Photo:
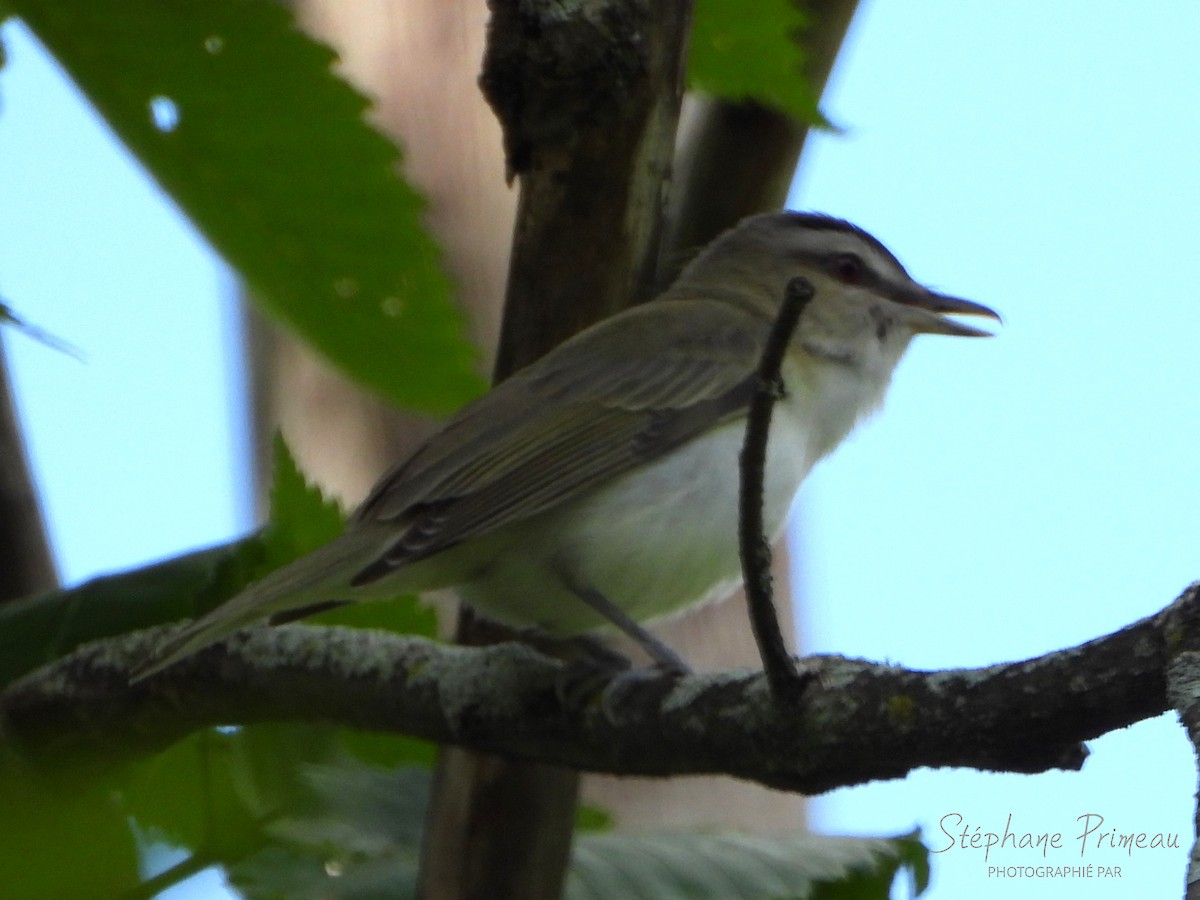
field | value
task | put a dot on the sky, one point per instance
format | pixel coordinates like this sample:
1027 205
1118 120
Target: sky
1015 496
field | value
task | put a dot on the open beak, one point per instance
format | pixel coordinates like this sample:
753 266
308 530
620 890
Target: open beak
927 312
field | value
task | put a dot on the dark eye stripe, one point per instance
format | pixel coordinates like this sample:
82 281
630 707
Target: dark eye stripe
848 268
821 222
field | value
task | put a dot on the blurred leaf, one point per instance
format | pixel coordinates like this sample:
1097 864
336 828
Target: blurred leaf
224 796
731 866
284 872
359 838
61 841
592 818
359 810
753 52
215 794
218 793
37 630
302 519
197 794
388 751
237 115
404 615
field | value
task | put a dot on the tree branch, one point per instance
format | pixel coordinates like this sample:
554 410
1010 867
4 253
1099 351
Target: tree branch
1183 693
860 721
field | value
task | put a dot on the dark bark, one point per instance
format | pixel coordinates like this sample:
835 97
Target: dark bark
26 565
858 721
589 104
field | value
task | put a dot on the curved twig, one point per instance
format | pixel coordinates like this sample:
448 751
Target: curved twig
785 680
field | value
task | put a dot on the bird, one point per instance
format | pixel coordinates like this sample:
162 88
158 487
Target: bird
597 488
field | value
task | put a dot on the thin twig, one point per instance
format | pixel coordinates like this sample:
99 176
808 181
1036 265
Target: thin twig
784 678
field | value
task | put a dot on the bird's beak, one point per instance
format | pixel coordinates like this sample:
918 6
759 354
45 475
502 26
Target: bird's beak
927 312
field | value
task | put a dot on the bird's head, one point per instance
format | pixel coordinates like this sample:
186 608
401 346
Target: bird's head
866 308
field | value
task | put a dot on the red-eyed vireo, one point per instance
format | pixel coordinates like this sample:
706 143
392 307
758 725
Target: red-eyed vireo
599 485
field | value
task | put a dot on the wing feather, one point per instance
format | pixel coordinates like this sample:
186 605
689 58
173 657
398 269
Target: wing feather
626 391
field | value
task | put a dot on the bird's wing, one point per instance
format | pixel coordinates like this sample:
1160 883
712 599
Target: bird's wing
618 395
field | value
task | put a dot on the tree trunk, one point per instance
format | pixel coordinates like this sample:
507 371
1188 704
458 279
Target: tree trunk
26 564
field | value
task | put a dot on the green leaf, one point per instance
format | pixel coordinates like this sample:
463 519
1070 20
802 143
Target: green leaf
592 818
360 809
388 751
730 866
37 630
359 838
61 841
908 857
197 794
753 52
302 519
222 796
217 794
237 115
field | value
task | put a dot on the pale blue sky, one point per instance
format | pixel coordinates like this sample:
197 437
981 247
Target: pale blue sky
1015 496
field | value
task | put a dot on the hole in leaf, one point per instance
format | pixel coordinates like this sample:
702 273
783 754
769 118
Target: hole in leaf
164 113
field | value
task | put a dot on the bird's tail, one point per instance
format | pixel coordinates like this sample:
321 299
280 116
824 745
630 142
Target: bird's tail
312 580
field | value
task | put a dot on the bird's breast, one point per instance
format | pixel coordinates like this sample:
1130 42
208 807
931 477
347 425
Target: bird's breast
653 541
663 537
826 399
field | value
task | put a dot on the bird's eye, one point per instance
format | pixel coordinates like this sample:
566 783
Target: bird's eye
848 268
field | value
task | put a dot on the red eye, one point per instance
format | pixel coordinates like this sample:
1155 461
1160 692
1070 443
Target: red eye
848 268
